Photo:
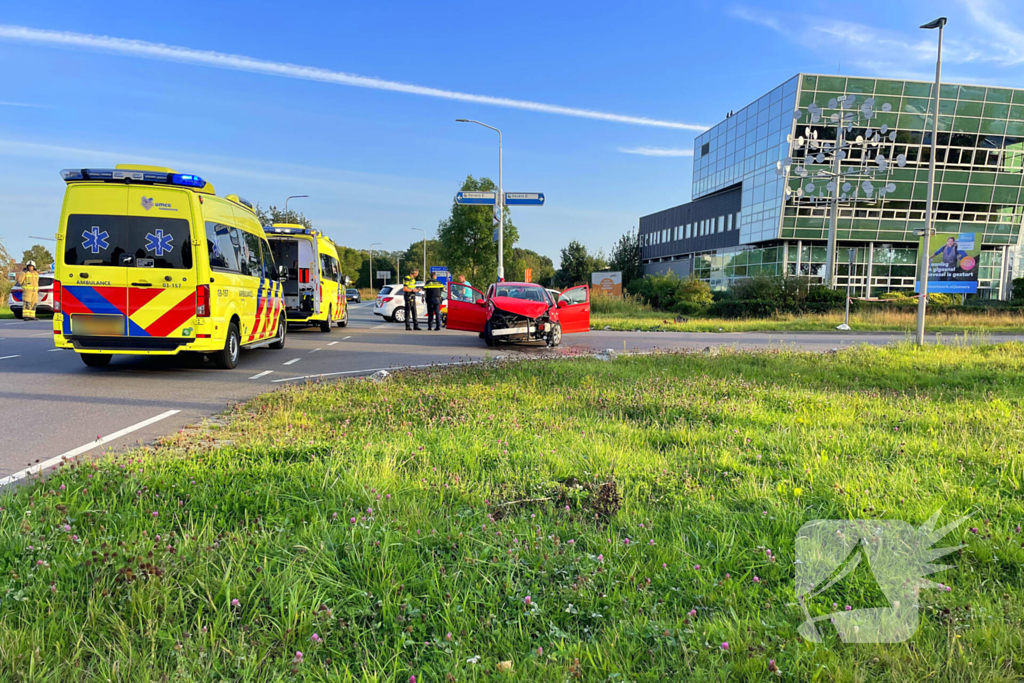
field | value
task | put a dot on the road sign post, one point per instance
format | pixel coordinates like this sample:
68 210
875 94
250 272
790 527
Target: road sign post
476 198
524 199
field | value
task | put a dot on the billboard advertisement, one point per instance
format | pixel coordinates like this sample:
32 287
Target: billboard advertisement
607 282
953 263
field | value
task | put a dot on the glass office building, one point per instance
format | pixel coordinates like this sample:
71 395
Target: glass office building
741 221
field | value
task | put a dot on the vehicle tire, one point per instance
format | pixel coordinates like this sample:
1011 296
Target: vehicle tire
399 315
326 325
96 360
488 337
555 337
282 331
344 321
17 313
227 358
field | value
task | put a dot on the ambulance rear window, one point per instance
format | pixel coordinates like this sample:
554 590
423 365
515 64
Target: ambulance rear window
127 241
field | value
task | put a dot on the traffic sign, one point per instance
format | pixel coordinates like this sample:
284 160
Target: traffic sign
383 274
441 273
494 236
524 198
476 198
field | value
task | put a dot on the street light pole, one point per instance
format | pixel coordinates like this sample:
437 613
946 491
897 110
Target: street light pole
922 269
500 202
424 252
294 196
375 244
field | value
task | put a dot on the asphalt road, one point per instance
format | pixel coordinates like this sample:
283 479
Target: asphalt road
52 405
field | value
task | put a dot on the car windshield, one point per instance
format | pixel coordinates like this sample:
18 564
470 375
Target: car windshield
521 292
353 291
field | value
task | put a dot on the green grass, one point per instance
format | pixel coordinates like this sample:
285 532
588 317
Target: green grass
5 313
861 321
406 522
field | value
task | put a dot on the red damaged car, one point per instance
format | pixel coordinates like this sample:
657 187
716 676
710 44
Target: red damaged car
518 312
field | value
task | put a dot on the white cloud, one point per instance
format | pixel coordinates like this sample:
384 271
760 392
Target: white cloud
220 60
25 104
1005 38
657 151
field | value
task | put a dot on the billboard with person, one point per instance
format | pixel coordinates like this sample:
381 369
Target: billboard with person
953 263
608 283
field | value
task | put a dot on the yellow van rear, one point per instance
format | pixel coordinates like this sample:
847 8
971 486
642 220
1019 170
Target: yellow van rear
314 290
152 262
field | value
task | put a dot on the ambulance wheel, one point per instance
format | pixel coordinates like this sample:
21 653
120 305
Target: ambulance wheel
17 313
326 325
227 358
282 331
399 316
344 321
96 360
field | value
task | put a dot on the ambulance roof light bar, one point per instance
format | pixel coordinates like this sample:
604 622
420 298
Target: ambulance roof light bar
134 175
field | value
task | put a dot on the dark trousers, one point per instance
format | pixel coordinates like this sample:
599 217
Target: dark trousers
410 312
434 313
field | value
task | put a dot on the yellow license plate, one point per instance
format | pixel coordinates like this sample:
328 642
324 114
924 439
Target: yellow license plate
97 325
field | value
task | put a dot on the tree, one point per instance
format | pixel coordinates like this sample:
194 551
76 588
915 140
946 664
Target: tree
6 265
276 215
543 268
577 264
626 258
40 254
350 260
413 256
465 237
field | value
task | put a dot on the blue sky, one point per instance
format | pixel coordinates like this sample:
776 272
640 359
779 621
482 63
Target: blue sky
605 98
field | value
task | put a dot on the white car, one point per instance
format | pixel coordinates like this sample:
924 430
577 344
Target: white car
390 304
45 304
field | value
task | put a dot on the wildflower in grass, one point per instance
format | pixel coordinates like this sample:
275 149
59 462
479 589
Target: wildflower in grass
155 513
664 565
334 516
352 521
974 529
62 487
528 600
540 651
316 638
67 527
725 646
298 657
696 567
692 613
448 636
625 541
600 558
650 542
235 603
772 666
848 608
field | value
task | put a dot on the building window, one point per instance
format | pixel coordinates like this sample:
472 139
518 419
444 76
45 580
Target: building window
721 223
728 222
705 149
688 226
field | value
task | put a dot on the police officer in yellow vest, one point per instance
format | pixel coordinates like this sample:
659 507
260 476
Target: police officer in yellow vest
435 294
28 279
409 291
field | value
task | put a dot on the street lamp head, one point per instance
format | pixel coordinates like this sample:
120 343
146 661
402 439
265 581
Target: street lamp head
461 120
937 23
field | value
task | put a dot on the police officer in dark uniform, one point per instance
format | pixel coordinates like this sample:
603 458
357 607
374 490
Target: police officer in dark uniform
435 294
409 291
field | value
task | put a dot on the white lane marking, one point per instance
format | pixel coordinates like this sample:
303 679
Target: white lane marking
333 343
17 355
344 338
52 350
82 449
289 362
319 348
261 374
44 334
381 327
394 367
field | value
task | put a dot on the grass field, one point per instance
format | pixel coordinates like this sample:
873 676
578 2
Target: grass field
864 321
552 521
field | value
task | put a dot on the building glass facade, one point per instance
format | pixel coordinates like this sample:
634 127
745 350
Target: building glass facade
979 184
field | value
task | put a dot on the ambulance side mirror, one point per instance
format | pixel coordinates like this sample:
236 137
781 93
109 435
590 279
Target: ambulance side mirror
282 273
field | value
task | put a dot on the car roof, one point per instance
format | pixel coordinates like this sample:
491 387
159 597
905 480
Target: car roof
520 284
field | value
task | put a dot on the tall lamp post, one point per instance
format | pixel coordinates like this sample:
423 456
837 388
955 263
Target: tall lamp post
294 196
922 269
375 244
500 202
424 252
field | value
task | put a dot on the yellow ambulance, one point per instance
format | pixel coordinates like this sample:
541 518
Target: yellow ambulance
152 262
314 290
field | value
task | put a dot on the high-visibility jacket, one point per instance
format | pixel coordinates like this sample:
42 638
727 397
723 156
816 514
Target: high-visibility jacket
409 285
434 290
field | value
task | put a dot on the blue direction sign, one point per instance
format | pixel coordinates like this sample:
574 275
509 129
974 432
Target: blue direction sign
477 198
441 272
524 198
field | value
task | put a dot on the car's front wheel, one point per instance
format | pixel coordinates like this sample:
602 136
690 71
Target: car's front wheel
555 336
488 335
399 315
282 332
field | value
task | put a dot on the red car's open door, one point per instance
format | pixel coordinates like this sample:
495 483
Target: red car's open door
466 308
574 310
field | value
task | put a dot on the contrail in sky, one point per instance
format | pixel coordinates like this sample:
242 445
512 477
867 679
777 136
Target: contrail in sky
222 60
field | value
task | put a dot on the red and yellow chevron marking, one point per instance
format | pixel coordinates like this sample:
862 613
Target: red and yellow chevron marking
161 312
268 309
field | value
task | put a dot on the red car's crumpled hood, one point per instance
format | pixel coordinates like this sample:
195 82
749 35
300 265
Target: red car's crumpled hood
530 309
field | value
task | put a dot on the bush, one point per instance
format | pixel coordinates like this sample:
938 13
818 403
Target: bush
764 295
1017 289
629 304
893 296
943 299
669 292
